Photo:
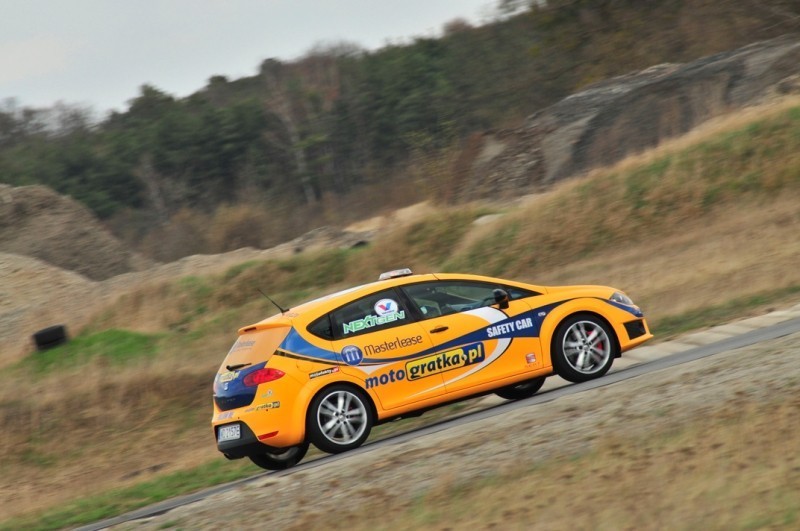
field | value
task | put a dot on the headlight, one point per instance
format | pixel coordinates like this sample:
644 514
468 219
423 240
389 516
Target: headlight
621 298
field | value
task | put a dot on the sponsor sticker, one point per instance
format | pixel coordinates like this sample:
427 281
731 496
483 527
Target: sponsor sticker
445 361
324 372
507 328
269 405
385 307
352 355
227 376
372 320
394 344
431 365
241 344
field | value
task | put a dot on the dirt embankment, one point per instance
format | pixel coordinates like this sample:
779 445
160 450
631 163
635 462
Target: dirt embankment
38 222
58 265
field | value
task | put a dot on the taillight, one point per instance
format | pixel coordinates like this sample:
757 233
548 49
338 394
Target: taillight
267 374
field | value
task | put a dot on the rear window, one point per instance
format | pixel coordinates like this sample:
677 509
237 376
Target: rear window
322 327
256 346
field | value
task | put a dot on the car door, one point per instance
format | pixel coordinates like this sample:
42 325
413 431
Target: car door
377 336
476 342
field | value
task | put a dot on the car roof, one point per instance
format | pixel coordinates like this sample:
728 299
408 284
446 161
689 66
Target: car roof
338 298
312 309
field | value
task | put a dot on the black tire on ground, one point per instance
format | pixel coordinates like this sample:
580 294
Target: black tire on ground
339 419
282 459
525 389
584 348
50 337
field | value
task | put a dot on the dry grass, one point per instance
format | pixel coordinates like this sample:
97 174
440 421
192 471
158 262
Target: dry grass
735 468
694 223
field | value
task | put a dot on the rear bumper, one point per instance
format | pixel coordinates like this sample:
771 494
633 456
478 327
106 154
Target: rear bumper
247 444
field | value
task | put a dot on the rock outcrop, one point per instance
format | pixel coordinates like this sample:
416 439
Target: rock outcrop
627 114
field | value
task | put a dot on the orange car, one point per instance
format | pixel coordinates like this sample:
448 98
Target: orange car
328 370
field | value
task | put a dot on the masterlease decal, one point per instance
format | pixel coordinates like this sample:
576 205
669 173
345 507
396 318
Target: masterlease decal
352 355
392 344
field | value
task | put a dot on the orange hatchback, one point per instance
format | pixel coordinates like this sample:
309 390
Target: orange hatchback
327 371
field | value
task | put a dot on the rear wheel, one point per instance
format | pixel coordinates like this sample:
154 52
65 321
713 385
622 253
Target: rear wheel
521 390
584 348
281 459
339 419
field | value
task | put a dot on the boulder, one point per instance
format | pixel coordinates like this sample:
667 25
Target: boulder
614 118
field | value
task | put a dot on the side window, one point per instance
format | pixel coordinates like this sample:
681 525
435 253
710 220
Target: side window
519 293
322 327
447 297
378 311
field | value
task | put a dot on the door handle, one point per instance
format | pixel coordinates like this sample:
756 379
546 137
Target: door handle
439 329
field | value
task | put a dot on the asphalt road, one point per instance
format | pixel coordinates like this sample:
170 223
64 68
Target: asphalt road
732 342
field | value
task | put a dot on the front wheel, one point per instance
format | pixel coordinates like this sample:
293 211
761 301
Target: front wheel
521 390
281 459
339 419
584 348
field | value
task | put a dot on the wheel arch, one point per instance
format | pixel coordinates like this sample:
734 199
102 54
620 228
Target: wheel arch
348 383
553 322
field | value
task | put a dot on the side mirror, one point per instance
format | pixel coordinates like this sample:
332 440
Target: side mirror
501 298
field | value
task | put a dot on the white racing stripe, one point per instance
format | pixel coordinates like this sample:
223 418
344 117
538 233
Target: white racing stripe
491 316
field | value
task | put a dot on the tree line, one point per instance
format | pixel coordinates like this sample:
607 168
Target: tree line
341 118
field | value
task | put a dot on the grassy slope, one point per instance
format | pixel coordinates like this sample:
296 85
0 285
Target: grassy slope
704 229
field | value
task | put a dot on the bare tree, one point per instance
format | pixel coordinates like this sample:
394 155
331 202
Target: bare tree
278 100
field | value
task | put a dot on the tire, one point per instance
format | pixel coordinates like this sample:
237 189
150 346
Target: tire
282 459
521 390
584 348
50 337
339 419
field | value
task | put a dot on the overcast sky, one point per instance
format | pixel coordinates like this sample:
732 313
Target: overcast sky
99 52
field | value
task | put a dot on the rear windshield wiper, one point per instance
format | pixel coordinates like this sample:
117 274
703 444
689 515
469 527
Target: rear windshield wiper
237 366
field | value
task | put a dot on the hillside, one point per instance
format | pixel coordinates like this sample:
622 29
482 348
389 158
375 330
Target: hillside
698 231
35 221
343 133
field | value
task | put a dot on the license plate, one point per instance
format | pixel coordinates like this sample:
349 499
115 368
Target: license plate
229 433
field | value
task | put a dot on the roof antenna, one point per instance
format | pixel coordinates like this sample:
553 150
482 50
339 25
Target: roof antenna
272 301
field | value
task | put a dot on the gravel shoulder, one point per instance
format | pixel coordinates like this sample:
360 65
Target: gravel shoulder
361 488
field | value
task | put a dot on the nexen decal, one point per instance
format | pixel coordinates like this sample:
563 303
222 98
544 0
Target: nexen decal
430 365
372 320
